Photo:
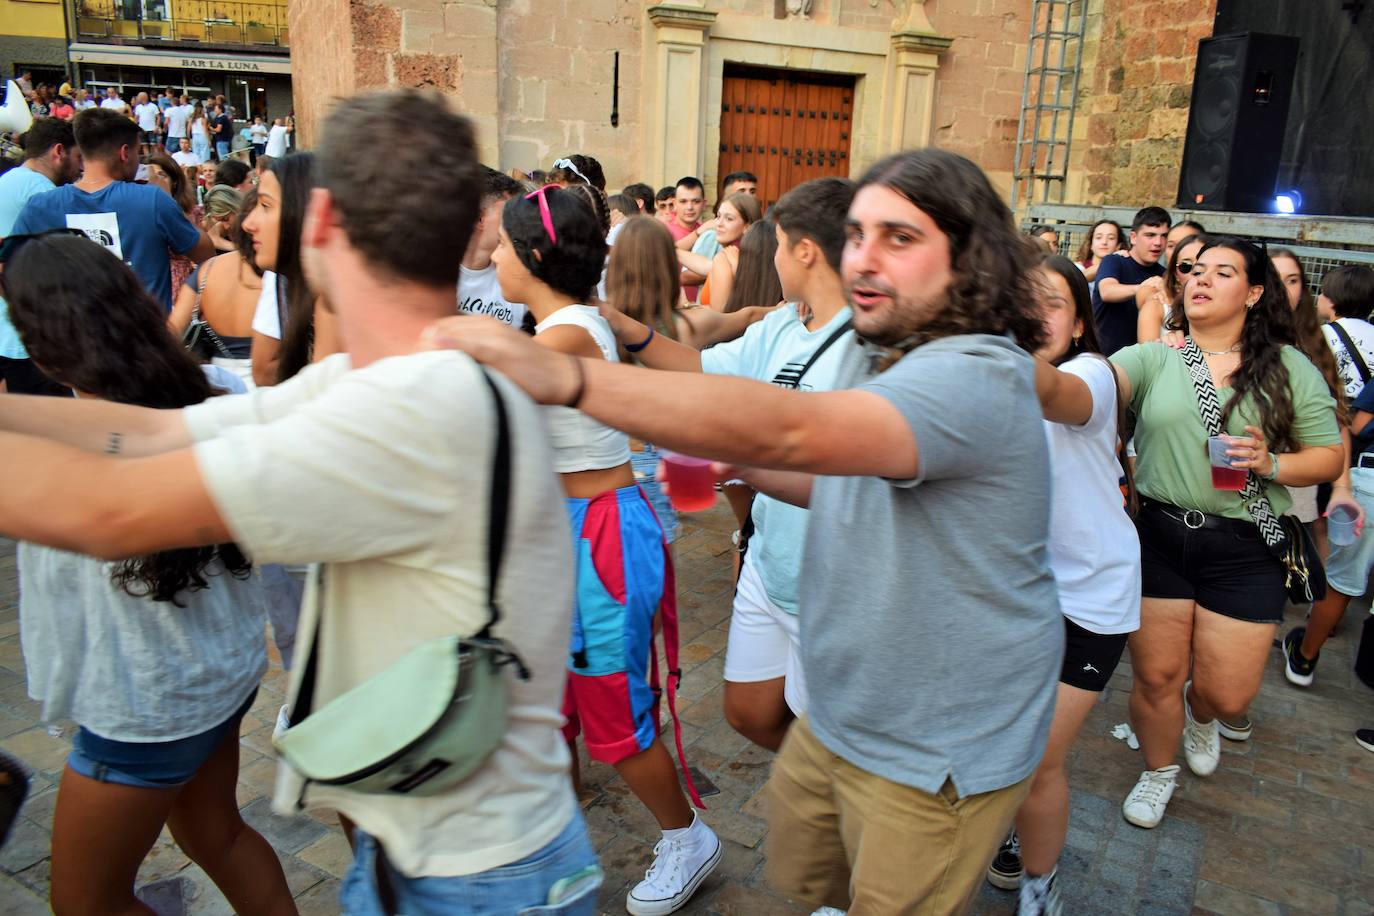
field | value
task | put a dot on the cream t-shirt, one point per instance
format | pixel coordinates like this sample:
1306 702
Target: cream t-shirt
383 474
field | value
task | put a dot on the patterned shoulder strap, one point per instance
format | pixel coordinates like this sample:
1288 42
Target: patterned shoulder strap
1252 494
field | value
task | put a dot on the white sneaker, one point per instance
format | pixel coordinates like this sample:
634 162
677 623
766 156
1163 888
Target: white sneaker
1201 743
680 865
829 911
1145 806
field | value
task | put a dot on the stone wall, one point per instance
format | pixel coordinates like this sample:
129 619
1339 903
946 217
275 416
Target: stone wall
1134 98
321 60
978 93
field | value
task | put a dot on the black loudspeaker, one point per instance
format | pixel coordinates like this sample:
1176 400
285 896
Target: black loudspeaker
1236 122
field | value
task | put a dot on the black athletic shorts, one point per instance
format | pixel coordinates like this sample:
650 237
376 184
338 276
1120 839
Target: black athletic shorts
21 376
1220 563
1090 658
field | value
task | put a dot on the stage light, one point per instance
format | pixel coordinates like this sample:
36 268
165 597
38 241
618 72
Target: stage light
1288 202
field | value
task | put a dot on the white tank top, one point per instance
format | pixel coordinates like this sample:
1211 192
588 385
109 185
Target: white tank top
579 442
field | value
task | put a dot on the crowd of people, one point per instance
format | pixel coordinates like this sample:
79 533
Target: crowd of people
969 473
193 131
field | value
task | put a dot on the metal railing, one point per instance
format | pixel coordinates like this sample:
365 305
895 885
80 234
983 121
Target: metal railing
1320 242
1049 97
219 22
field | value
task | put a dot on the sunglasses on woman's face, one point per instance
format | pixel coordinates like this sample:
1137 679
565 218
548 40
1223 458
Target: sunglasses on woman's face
1184 267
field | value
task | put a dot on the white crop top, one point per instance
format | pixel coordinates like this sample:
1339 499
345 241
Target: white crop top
579 442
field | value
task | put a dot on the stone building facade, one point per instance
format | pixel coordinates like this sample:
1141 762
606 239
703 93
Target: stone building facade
639 84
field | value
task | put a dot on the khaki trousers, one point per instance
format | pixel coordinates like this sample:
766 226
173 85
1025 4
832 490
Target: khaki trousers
840 836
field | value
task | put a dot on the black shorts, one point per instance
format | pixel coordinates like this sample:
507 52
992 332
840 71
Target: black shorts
1090 658
21 376
1223 565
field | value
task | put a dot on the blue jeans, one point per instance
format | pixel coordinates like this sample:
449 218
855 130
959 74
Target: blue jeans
222 149
522 888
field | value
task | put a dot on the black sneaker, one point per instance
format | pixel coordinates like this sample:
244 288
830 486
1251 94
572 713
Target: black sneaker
1364 737
1005 870
1296 667
14 787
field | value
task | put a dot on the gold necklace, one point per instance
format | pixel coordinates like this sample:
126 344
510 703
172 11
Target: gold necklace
1234 348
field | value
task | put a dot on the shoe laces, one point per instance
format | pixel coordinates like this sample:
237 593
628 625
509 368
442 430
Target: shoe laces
666 870
1151 786
1198 738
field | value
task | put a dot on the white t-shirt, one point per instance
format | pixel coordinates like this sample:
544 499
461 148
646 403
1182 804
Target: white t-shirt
258 132
147 116
116 104
134 669
276 141
383 475
1094 549
1362 333
479 293
176 118
186 158
266 317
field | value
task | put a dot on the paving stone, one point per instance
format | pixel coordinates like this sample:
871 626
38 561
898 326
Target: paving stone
330 854
18 900
289 834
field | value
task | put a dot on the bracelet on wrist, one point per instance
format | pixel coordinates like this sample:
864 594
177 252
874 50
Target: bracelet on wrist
635 348
1273 467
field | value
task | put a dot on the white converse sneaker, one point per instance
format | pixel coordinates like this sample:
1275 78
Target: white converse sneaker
1039 897
681 863
1201 743
829 911
1145 806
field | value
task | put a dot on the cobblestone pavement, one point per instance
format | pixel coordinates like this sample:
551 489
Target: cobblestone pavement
1285 826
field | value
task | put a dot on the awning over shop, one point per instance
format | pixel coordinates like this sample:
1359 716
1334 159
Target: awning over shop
124 55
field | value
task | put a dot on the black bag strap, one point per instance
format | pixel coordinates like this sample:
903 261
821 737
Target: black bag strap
1355 356
499 510
198 323
839 332
1252 495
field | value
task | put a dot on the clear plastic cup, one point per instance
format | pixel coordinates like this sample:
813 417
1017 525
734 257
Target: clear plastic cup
1340 526
691 482
1224 477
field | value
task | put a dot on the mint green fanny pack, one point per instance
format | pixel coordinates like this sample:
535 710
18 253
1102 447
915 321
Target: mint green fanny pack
430 719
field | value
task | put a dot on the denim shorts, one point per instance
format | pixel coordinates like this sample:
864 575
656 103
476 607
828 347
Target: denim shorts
150 764
1347 569
566 867
645 466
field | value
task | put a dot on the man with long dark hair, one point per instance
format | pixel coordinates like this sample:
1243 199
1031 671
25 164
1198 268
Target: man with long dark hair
927 608
382 464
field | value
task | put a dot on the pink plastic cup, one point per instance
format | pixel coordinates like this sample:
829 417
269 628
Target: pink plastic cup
691 482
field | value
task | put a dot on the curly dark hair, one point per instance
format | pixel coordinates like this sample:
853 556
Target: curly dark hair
590 169
993 291
1085 251
87 320
1268 327
573 265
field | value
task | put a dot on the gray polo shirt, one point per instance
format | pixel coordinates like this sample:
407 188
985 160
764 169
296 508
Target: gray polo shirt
931 635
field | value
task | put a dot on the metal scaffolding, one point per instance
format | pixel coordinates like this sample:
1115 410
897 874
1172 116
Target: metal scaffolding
1054 59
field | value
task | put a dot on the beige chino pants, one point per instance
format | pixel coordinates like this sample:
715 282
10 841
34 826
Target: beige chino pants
840 836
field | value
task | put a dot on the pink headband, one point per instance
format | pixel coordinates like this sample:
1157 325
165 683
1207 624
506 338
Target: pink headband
544 213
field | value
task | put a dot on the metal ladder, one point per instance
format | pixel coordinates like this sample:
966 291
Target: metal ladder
1054 60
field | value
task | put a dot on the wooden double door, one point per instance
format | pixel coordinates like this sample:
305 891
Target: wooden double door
785 126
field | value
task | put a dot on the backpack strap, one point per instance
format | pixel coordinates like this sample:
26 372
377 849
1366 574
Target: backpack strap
1356 357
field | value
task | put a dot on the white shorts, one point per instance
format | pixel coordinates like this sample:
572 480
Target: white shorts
764 642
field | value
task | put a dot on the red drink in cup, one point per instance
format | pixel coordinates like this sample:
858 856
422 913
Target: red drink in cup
1224 477
1228 478
691 482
